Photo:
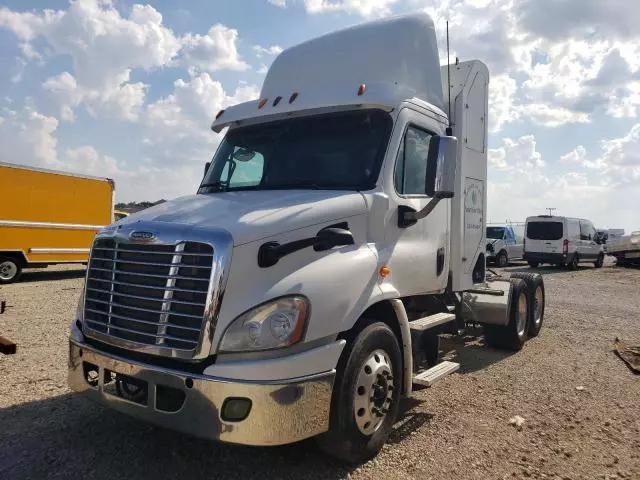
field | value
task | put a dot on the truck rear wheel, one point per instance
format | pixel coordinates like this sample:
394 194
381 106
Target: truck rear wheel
366 396
10 270
535 288
513 335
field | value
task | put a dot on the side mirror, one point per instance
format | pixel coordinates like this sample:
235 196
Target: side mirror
332 237
441 167
206 167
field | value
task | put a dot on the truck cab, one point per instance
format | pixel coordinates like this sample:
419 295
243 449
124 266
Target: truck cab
339 229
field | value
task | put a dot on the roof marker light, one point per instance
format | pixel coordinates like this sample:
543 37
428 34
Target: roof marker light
361 89
277 100
293 97
262 103
219 114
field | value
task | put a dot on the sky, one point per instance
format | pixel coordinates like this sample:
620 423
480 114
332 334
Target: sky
128 90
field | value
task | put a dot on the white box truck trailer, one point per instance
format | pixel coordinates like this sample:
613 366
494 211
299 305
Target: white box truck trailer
338 230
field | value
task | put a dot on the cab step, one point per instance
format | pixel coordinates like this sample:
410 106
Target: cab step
431 376
425 323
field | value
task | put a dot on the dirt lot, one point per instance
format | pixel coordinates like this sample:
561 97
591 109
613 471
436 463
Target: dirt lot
580 403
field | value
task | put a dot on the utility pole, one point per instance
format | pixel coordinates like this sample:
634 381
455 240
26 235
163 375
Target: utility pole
551 210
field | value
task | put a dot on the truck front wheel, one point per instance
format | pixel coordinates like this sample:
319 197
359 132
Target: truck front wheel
366 396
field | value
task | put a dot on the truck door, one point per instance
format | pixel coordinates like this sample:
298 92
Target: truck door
418 254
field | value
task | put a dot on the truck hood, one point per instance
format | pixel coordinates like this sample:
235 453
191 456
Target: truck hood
253 215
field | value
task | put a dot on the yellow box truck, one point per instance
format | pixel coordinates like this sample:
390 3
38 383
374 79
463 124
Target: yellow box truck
49 217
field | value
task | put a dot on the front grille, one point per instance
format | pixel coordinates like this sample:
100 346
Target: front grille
148 294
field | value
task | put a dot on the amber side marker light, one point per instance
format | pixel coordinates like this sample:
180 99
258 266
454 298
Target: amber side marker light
361 89
385 272
262 103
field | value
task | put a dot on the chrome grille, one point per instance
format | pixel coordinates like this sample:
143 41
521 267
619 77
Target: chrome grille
148 294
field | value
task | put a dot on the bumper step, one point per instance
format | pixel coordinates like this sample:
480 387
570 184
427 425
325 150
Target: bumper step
431 376
425 323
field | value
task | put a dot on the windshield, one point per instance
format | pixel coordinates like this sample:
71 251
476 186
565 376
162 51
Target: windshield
333 151
544 230
495 232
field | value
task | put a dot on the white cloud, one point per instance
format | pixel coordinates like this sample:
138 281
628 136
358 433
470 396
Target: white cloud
576 156
543 114
278 3
365 8
516 155
502 90
28 136
178 126
106 46
261 51
123 100
216 50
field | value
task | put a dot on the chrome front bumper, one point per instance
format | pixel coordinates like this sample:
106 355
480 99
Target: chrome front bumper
281 412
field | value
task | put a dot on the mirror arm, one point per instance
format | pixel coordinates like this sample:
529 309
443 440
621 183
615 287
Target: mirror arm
409 217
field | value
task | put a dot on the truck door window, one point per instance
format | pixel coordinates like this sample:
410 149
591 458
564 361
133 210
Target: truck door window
411 163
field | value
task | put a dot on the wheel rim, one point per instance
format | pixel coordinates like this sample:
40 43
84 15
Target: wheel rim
522 314
374 392
539 302
8 270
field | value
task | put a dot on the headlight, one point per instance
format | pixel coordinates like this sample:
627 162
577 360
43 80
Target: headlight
276 324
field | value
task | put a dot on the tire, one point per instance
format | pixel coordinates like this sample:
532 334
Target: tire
10 270
600 261
357 433
537 300
514 335
502 260
533 264
573 263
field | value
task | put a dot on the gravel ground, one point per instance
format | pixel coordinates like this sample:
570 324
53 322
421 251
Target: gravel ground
580 403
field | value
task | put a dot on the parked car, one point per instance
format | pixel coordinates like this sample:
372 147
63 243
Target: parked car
626 249
504 245
562 241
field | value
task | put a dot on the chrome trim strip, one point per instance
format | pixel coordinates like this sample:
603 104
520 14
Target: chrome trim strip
141 297
62 226
149 287
58 250
149 310
138 332
137 320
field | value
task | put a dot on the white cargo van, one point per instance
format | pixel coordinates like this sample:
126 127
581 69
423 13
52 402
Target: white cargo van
561 241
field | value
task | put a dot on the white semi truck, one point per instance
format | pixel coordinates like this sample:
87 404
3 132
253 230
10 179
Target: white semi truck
338 231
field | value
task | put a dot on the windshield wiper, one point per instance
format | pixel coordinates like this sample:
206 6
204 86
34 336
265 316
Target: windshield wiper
218 186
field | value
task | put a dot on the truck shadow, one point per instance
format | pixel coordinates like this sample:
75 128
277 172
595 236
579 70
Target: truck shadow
470 351
29 276
70 437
